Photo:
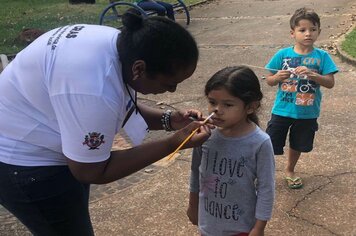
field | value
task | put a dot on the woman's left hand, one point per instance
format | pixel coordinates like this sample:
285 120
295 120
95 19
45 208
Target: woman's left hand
180 118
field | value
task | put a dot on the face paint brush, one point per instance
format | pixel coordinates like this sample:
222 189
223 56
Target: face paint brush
189 137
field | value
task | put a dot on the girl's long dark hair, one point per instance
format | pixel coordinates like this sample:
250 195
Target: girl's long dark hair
239 81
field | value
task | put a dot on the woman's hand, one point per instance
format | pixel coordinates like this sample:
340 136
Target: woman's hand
201 134
180 118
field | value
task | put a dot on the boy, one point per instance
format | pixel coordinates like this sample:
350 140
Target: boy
299 71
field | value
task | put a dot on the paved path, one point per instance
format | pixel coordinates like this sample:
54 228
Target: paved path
231 32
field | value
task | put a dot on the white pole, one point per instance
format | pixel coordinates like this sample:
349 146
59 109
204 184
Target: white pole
4 61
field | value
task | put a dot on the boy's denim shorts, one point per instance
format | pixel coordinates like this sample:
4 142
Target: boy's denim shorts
301 133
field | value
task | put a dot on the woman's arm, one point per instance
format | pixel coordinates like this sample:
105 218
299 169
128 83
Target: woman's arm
152 116
125 162
178 118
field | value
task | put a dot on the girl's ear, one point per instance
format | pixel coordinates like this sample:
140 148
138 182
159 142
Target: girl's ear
252 107
138 69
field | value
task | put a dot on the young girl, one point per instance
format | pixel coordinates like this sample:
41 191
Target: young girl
232 174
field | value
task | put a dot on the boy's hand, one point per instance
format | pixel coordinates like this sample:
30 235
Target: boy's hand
282 75
274 79
326 81
300 70
305 72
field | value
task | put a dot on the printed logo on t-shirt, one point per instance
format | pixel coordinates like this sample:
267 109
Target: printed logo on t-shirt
93 140
299 89
57 35
226 172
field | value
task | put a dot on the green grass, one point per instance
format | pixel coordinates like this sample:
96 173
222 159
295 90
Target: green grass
16 15
349 45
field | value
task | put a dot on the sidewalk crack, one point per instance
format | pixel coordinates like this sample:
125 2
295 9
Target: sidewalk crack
291 212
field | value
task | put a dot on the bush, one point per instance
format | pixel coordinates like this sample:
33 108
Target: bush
349 45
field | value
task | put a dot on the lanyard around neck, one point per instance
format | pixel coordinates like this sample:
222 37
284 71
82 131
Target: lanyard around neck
134 107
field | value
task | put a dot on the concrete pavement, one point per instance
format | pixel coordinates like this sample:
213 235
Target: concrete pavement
232 32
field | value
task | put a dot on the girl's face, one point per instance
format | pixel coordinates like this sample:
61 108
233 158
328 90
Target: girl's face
230 111
305 33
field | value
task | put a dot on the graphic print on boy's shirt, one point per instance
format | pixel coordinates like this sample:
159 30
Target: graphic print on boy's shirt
303 88
215 186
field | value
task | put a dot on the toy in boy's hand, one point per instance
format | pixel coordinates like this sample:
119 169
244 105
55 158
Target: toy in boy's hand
293 74
291 70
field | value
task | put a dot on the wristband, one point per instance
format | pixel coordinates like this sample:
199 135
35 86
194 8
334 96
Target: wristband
166 120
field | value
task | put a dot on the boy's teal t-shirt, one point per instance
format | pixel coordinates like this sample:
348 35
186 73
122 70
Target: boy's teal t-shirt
300 98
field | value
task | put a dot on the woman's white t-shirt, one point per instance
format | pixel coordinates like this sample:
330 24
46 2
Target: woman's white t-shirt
61 96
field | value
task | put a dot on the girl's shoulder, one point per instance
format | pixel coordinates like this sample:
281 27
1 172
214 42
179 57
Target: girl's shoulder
257 134
261 134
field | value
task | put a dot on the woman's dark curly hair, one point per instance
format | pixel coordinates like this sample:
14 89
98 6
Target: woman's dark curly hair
161 43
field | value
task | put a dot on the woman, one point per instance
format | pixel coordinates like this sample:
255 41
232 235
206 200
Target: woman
63 99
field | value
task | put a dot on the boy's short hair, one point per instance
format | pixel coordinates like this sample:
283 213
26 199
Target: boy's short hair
304 14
